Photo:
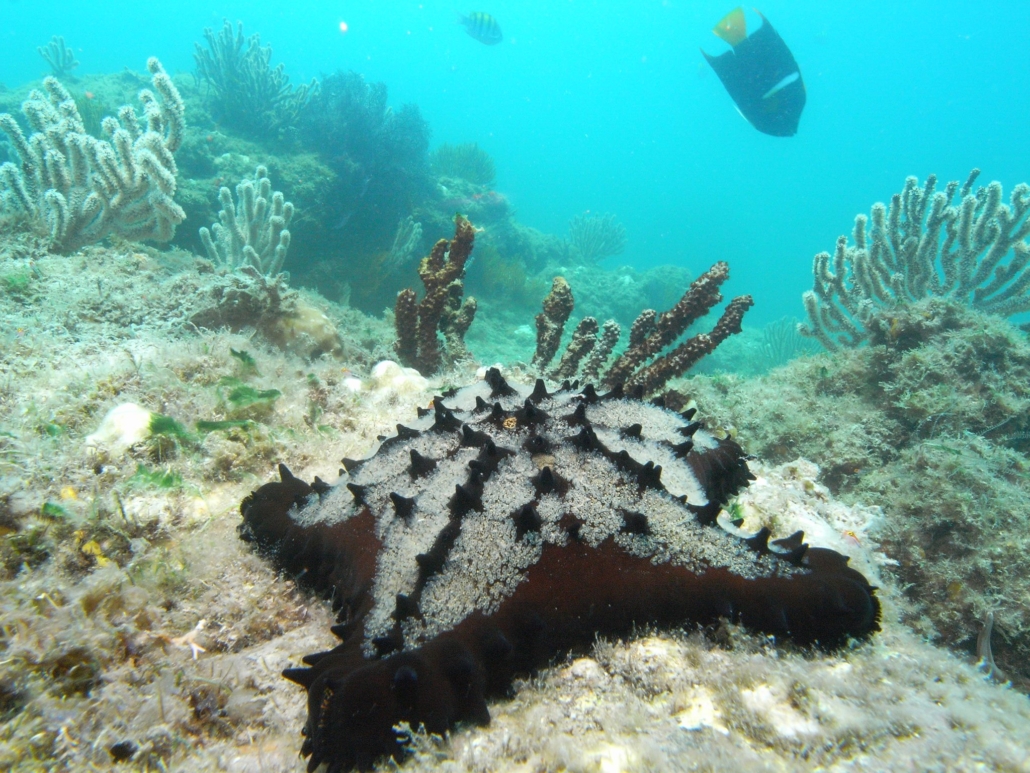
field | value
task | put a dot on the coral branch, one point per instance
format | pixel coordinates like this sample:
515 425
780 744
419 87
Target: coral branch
686 355
551 321
80 189
59 56
976 252
250 95
697 301
441 310
258 234
642 366
596 237
406 322
584 339
598 357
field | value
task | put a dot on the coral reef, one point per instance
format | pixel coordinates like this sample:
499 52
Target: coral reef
107 570
59 56
146 392
593 238
211 158
975 251
249 96
447 592
537 251
502 281
929 422
479 203
466 161
79 189
441 310
116 666
259 234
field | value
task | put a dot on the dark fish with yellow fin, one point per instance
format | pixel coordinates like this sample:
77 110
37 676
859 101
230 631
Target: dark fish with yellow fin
482 26
760 75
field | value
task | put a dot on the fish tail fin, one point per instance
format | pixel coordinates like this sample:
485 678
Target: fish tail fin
460 18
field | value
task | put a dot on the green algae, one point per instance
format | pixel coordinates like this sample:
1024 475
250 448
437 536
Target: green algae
162 479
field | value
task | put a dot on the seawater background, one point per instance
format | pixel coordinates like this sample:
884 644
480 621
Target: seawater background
608 106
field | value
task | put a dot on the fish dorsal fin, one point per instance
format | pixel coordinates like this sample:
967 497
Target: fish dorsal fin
733 27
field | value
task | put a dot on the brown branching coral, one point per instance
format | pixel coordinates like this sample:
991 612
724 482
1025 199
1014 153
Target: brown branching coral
599 354
642 365
695 303
442 310
975 251
584 339
686 355
551 321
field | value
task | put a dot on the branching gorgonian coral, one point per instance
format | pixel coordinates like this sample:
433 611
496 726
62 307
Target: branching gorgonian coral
975 251
378 154
466 161
79 189
250 96
59 56
596 237
254 231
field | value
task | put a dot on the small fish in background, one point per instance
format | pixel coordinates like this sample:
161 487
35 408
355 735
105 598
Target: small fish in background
482 26
760 75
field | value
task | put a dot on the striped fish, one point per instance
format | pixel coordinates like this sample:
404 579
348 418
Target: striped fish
483 27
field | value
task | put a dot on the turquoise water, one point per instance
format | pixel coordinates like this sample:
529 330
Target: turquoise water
609 106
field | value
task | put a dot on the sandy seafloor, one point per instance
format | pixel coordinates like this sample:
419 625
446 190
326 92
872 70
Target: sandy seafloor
136 623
